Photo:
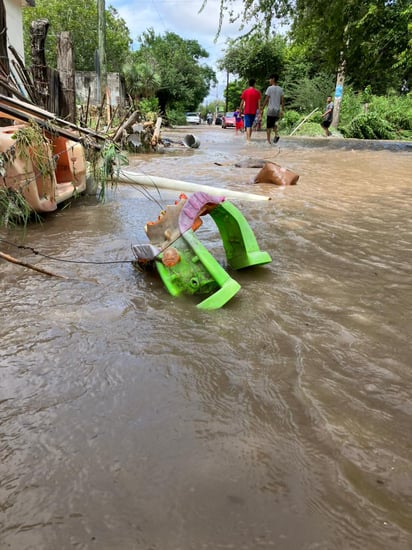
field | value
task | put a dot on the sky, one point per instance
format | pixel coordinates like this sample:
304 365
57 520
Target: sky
183 18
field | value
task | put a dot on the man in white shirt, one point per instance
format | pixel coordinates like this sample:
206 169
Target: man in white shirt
274 99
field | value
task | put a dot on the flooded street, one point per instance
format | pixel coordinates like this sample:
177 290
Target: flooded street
131 420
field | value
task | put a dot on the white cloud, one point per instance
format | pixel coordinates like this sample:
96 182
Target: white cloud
181 17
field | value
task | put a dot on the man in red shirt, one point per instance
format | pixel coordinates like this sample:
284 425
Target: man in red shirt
249 106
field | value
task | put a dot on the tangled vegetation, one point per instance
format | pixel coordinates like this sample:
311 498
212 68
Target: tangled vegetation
362 116
33 147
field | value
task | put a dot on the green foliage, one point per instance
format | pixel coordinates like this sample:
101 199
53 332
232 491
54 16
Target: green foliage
352 105
149 108
79 17
142 78
385 117
306 94
184 82
369 126
14 209
397 110
255 56
107 167
310 128
31 144
233 93
176 117
257 15
289 121
371 36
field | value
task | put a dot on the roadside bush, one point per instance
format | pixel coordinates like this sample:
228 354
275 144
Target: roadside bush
397 110
351 106
370 116
175 118
369 126
148 106
305 94
289 121
310 129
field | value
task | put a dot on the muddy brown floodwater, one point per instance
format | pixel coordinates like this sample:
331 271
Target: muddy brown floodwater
130 420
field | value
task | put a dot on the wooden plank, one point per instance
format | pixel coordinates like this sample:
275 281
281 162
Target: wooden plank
23 111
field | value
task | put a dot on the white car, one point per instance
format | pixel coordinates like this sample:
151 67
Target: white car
193 118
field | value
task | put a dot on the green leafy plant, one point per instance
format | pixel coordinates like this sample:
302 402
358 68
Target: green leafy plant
107 167
352 105
32 144
175 117
149 108
14 209
369 126
289 121
397 110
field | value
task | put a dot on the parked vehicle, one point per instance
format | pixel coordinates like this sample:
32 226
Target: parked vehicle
229 120
193 118
218 119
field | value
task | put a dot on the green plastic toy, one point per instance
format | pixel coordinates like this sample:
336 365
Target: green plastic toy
184 264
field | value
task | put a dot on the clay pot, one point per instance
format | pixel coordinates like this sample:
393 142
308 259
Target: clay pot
274 173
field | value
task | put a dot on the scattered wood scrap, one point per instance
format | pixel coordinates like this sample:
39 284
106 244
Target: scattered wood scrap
13 260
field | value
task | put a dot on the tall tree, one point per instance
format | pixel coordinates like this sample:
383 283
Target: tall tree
185 82
369 36
255 56
255 15
142 78
80 18
372 37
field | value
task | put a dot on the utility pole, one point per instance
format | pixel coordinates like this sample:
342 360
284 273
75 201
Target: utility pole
340 78
338 94
65 66
227 92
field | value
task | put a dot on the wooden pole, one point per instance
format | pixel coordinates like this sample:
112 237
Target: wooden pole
132 118
156 133
38 34
65 67
29 266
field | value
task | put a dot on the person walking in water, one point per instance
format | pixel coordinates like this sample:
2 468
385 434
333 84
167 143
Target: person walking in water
327 116
249 105
238 121
275 101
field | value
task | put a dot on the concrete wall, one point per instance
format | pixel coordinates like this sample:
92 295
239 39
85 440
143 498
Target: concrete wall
14 22
88 79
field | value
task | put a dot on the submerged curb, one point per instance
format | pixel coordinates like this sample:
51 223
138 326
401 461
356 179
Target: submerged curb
348 143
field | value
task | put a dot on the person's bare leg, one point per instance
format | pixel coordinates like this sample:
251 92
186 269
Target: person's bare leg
275 129
268 131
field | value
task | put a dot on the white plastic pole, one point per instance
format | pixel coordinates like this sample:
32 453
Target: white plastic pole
184 186
303 122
